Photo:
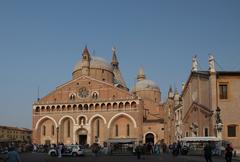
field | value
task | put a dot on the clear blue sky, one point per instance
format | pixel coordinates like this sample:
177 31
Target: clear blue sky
41 41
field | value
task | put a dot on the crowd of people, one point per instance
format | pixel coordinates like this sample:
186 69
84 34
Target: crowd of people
12 151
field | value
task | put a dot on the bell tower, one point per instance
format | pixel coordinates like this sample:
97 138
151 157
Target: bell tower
86 58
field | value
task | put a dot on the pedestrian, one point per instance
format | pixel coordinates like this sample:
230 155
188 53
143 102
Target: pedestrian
12 155
138 152
59 148
228 153
208 152
157 149
34 148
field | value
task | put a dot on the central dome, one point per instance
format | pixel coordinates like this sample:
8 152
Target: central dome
146 85
95 63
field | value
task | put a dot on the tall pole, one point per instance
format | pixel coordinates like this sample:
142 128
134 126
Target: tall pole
57 134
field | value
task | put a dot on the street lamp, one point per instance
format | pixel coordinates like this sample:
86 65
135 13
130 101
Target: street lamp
57 134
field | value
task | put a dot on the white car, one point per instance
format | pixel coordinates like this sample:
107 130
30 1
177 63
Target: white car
68 150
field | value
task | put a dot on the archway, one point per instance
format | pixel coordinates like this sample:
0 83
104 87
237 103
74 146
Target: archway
81 135
46 130
66 129
98 129
149 138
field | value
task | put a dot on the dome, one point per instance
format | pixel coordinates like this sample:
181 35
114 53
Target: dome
95 63
146 85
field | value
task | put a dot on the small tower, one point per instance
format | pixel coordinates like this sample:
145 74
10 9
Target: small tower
86 58
194 64
170 93
211 63
118 79
114 58
141 75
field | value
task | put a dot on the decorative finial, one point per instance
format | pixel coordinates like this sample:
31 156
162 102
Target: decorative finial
114 49
183 85
194 64
211 63
141 74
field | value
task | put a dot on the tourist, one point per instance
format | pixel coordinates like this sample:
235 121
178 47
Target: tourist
60 148
138 151
208 152
12 155
228 153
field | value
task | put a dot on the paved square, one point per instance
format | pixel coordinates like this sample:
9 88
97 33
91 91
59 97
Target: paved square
38 157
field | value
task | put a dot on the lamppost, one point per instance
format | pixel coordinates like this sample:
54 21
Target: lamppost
219 124
57 134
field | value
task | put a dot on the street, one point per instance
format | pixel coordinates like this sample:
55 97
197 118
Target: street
42 157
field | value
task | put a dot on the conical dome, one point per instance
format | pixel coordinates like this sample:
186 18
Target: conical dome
143 83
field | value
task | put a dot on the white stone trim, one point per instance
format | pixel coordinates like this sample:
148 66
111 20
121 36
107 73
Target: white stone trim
42 118
97 115
124 114
66 116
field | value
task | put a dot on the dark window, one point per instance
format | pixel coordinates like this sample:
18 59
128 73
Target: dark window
98 128
128 130
206 132
223 91
68 128
232 131
186 134
53 130
116 131
44 130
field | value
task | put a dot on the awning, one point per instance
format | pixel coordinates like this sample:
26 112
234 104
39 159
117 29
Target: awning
200 139
121 140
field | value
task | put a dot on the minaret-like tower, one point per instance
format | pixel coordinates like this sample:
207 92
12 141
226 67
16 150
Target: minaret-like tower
86 58
114 58
141 75
118 79
170 93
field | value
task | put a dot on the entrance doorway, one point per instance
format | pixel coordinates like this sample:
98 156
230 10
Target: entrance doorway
82 139
149 138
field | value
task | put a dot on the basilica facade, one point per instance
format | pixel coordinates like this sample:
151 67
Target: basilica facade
97 106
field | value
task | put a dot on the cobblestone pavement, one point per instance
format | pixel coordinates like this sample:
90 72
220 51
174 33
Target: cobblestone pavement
40 157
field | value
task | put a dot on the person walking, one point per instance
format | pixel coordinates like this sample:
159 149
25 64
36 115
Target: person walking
60 148
208 152
138 152
12 155
228 153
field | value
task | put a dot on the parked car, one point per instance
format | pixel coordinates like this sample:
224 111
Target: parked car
68 150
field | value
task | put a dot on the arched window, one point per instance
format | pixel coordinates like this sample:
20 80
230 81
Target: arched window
44 130
116 130
53 130
128 130
82 121
72 96
68 128
98 128
95 95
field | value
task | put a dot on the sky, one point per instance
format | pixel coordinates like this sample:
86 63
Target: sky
41 41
